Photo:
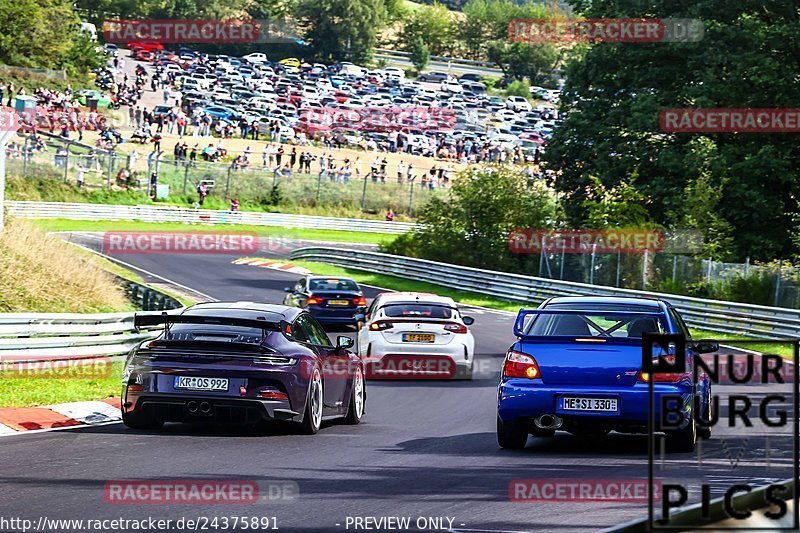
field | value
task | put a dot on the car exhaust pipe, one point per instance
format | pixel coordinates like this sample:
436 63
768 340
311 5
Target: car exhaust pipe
205 407
548 422
192 407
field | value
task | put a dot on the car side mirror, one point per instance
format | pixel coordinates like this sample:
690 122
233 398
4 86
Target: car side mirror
468 320
343 342
287 289
706 347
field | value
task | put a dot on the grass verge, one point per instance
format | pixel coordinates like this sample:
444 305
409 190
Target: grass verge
47 390
58 224
40 273
784 349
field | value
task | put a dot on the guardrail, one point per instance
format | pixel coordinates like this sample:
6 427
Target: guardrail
57 336
692 517
711 315
148 299
151 213
454 60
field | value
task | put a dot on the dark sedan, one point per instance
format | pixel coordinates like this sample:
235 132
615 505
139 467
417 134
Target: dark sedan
330 300
242 363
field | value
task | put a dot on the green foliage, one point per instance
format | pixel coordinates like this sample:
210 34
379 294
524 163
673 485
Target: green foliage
342 29
419 54
471 226
741 185
520 60
434 25
519 88
614 207
45 34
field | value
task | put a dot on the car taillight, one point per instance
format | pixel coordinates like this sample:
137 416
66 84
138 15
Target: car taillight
644 377
456 328
360 301
380 326
520 365
313 300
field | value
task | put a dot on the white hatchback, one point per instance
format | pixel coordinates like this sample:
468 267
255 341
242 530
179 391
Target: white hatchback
409 335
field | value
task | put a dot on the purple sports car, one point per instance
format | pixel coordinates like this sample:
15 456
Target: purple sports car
241 363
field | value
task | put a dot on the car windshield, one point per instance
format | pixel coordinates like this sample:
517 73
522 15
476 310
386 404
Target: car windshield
422 310
332 284
595 323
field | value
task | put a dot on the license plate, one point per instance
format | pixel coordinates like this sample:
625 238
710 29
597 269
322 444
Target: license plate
589 404
418 337
338 302
197 383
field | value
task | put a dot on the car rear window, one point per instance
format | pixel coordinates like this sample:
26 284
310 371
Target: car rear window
595 324
195 332
420 310
333 284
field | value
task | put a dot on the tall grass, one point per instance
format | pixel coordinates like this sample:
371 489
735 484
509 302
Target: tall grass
41 273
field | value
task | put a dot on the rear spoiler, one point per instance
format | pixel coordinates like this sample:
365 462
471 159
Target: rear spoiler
519 323
145 320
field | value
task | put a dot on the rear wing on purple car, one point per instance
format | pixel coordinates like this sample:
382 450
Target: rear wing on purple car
519 323
144 320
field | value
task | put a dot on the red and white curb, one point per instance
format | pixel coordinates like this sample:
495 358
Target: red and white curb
16 420
269 263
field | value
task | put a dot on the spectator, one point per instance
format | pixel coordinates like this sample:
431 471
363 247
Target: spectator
390 215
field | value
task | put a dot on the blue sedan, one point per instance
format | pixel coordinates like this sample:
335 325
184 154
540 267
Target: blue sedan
577 366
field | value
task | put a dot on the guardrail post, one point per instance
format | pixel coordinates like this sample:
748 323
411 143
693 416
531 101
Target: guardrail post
778 283
674 268
364 194
66 165
111 156
25 156
411 198
185 177
561 268
619 260
591 267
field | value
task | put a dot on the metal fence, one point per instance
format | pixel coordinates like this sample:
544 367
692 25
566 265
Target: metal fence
777 285
94 168
710 315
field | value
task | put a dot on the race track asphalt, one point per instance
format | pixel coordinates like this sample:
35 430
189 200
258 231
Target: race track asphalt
424 449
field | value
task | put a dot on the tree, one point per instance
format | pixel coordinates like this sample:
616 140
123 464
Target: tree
520 60
342 29
419 54
434 25
612 100
471 227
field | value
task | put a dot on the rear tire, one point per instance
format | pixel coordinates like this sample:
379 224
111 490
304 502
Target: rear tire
683 440
511 435
312 416
141 420
358 399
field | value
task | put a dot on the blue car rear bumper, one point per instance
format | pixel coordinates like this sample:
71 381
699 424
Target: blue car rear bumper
522 398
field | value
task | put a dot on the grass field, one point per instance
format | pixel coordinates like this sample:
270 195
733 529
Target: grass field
57 224
31 391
